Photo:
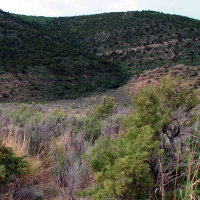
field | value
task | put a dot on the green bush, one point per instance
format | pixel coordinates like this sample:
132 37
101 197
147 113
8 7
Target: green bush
104 109
94 120
11 166
119 166
129 166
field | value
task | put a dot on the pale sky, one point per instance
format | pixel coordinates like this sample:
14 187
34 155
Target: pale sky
190 8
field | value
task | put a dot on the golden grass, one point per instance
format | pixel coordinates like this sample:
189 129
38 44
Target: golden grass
20 147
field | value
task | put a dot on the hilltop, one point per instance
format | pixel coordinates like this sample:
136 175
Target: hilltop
43 59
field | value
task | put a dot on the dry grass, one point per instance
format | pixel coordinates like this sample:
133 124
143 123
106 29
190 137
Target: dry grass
52 139
20 146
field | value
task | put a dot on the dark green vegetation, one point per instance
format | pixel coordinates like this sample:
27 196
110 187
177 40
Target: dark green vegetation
11 166
59 69
68 57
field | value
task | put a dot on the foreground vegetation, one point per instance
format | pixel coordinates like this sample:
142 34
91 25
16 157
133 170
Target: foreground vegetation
110 151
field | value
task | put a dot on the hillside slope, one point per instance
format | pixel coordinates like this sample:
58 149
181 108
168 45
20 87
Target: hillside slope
140 39
49 67
57 58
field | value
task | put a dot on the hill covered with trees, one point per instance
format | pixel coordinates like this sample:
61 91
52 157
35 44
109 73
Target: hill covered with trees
44 58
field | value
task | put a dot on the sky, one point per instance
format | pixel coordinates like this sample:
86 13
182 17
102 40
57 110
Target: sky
189 8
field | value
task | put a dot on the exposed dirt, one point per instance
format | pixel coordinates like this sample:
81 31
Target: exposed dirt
149 77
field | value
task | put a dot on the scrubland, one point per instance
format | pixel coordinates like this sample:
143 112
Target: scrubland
148 149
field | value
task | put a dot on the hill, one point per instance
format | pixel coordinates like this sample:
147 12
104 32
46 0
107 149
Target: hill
35 62
67 57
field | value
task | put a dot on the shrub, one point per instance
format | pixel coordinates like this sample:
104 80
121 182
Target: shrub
119 166
146 155
104 109
95 117
11 166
